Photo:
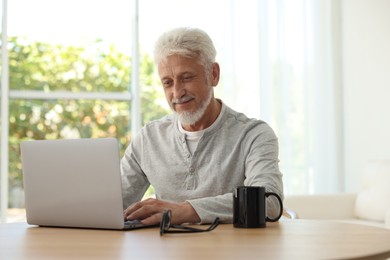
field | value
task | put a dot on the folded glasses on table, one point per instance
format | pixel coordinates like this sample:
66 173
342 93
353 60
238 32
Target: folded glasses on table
167 227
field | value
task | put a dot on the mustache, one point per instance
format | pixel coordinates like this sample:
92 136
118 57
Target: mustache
182 99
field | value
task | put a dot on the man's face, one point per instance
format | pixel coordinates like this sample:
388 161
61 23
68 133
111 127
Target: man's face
185 86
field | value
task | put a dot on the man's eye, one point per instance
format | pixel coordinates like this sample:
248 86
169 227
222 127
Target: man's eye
167 83
187 78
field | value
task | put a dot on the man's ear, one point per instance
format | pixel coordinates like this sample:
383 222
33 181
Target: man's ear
215 72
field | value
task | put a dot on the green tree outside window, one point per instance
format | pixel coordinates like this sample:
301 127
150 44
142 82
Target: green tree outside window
98 68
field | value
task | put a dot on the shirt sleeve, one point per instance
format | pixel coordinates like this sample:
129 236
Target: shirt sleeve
134 181
211 207
261 169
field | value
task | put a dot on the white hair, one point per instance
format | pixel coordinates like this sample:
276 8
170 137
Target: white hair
186 42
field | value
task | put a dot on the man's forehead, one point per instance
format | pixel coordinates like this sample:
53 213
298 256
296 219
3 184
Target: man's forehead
178 65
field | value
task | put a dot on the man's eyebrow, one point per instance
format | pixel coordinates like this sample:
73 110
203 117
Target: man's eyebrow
165 76
187 72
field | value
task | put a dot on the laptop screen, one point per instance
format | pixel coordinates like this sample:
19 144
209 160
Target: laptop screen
73 183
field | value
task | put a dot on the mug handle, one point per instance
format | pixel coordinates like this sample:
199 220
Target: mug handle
267 194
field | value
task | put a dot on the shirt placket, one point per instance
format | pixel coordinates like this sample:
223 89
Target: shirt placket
190 181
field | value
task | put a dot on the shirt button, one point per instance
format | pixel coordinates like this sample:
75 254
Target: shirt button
192 169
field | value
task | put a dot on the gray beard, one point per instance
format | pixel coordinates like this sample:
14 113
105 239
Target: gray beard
190 118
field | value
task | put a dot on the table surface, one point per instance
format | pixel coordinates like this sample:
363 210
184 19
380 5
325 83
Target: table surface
286 239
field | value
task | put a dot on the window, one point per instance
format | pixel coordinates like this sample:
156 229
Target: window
70 76
72 65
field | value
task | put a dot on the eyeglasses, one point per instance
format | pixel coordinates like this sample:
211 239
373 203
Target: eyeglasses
167 227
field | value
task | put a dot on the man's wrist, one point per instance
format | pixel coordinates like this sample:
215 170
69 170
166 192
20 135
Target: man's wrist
189 213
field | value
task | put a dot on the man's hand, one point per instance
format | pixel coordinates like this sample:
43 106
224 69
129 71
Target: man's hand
150 212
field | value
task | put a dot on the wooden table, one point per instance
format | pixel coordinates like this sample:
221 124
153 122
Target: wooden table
288 239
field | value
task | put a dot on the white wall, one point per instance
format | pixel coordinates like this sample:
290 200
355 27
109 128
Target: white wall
366 85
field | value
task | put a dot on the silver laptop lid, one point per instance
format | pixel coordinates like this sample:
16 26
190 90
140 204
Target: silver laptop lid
73 183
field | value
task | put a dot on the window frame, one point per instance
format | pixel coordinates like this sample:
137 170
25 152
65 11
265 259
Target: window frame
6 95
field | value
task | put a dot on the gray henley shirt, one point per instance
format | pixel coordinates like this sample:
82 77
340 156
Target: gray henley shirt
235 151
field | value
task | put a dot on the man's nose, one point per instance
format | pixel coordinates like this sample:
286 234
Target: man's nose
178 90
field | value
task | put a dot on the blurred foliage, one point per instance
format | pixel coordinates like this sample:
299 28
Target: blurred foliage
96 68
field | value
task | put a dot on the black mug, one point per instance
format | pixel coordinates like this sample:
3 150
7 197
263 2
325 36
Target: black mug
249 207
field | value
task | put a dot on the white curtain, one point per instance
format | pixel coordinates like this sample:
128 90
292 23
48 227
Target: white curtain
279 62
300 90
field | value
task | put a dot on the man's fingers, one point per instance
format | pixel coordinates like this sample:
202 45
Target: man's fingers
153 219
131 209
150 211
143 209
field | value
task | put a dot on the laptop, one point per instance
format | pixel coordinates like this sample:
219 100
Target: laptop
74 183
